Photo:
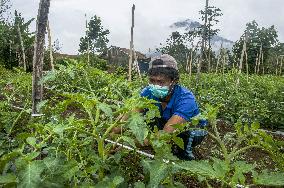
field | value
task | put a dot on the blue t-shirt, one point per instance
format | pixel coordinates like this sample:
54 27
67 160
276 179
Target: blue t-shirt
182 103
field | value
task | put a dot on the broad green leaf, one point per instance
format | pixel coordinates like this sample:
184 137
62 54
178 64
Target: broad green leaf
269 179
32 155
129 140
202 168
59 129
31 141
158 171
255 126
70 169
8 178
221 168
139 184
138 127
117 180
30 175
241 167
178 141
105 108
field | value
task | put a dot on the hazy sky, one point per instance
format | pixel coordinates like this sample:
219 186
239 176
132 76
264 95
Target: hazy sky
152 18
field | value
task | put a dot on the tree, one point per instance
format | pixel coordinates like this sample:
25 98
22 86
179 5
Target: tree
12 34
176 47
96 37
210 17
259 42
5 6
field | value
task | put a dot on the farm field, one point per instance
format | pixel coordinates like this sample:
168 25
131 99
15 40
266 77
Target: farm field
141 94
66 146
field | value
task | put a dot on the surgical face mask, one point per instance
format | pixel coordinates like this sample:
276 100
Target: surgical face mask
159 91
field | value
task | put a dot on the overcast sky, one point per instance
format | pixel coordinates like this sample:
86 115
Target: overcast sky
152 18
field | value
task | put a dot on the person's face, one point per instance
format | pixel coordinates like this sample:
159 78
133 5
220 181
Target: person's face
160 80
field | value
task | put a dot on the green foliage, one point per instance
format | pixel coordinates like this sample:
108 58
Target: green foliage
66 147
10 49
256 99
96 37
257 38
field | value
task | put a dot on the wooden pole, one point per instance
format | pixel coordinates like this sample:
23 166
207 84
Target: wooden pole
22 47
256 62
37 89
88 42
242 59
131 47
259 59
50 46
247 68
281 63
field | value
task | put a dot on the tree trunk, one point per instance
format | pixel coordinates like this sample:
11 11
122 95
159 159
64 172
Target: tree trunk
37 90
202 45
22 47
50 46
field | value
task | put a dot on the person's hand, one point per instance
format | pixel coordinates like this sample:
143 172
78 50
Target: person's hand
146 142
116 130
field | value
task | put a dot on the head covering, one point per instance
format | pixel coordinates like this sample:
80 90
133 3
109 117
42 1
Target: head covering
163 60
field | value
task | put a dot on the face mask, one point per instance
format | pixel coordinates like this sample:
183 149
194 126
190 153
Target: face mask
159 91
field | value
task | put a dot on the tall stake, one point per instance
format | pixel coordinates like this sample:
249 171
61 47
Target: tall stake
22 47
50 46
256 62
281 63
131 47
242 59
88 41
37 90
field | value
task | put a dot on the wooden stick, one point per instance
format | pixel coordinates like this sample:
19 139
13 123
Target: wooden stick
37 89
50 46
131 47
22 47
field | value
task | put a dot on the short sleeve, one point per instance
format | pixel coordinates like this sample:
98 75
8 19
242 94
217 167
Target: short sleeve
186 107
145 92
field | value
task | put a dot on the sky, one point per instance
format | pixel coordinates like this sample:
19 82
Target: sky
152 18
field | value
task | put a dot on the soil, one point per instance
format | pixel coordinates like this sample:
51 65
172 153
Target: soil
205 150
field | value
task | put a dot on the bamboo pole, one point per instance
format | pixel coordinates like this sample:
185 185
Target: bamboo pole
37 88
256 62
50 46
247 68
277 63
241 60
259 59
262 63
88 42
131 47
22 47
281 63
224 60
136 64
190 63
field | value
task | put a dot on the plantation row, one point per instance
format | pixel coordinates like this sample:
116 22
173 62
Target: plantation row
66 146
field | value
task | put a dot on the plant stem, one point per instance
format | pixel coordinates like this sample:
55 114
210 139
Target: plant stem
234 154
111 127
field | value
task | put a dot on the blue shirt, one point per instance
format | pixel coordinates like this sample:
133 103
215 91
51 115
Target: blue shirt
182 103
